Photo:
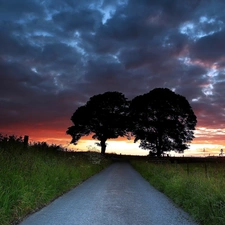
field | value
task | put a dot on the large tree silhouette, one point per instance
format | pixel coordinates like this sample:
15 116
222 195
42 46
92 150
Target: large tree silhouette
162 121
104 116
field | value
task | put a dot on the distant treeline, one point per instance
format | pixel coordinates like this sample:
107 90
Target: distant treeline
21 142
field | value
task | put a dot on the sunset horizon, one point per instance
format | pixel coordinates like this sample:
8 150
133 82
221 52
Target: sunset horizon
199 147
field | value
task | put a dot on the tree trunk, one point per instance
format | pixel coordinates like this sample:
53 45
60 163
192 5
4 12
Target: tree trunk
103 146
159 146
158 153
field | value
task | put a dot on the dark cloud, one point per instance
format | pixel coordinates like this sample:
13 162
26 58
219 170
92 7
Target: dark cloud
55 55
85 19
209 48
14 10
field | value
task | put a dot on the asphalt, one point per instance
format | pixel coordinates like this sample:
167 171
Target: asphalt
118 195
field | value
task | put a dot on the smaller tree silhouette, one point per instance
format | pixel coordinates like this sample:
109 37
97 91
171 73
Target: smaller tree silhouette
104 116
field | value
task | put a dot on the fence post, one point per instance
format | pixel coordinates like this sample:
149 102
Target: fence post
25 141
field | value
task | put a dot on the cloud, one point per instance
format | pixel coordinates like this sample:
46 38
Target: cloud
55 55
85 20
14 10
209 48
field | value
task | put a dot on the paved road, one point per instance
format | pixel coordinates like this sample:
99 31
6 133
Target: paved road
116 196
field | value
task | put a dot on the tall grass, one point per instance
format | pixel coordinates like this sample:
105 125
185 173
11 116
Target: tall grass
199 188
32 177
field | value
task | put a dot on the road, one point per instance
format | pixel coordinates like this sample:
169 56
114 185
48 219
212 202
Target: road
118 195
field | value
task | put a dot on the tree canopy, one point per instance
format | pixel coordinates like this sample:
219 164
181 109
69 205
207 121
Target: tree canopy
104 116
162 120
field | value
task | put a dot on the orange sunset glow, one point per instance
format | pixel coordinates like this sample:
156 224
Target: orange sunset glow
200 146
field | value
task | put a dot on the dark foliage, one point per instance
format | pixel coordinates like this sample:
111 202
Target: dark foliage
162 120
12 140
104 116
15 143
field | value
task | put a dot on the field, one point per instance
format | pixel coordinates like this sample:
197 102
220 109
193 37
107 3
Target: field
197 185
33 176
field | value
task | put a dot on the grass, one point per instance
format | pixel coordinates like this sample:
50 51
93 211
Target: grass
33 177
199 188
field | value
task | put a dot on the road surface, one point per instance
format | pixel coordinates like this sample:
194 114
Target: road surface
116 196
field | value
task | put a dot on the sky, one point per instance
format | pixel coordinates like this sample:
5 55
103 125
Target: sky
56 54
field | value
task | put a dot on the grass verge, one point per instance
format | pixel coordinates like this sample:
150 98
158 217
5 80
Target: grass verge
33 177
197 187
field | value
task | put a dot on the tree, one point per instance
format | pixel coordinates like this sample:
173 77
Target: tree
162 121
104 116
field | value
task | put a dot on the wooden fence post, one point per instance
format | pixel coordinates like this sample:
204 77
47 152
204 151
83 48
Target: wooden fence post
25 141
